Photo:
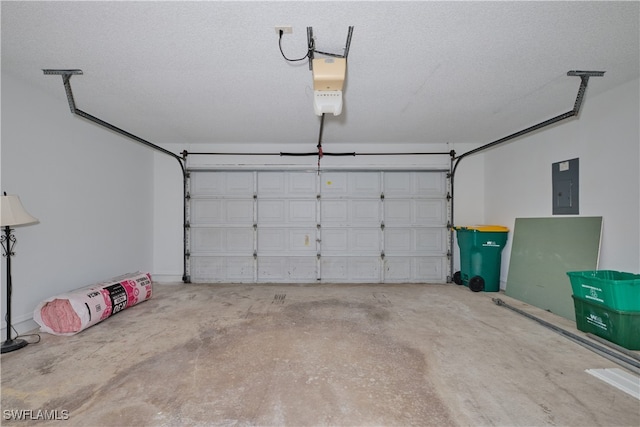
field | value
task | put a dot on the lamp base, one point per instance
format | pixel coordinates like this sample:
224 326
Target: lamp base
12 345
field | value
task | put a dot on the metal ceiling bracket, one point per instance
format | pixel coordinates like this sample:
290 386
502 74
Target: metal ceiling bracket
311 45
66 77
61 72
455 160
586 73
584 77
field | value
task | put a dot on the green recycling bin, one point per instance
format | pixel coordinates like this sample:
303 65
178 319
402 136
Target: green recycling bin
480 256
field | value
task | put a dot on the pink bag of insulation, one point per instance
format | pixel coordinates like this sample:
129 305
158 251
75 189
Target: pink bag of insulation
75 311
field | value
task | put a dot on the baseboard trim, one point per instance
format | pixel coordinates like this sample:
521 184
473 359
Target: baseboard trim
166 279
23 327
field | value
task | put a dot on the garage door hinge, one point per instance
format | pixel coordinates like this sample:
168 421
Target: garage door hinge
449 227
318 226
187 254
382 225
187 225
318 196
448 254
381 195
255 196
318 256
187 196
255 226
448 196
382 255
255 255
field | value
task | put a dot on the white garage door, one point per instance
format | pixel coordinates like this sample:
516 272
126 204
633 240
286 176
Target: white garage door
305 227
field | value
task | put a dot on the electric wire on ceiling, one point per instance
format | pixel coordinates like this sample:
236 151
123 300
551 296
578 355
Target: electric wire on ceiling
311 48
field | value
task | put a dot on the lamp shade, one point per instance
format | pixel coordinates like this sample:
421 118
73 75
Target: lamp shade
13 213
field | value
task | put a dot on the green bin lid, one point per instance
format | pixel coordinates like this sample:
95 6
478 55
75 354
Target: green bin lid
485 228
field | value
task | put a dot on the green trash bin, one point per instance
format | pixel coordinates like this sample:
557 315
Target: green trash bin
480 256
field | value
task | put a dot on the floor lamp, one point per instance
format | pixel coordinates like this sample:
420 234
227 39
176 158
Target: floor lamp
12 213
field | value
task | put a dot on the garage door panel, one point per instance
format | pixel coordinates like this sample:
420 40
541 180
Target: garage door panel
398 269
334 184
350 212
287 184
271 240
208 269
347 241
365 240
287 241
414 184
287 269
398 240
407 241
271 211
302 240
356 269
431 240
334 269
364 184
284 212
359 216
397 184
430 212
207 211
222 211
240 184
239 211
422 212
302 211
431 269
335 212
364 212
407 269
398 212
335 240
350 184
221 240
363 269
229 184
431 184
302 184
271 183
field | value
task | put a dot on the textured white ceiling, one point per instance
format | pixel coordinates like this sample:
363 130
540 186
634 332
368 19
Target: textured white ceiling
211 71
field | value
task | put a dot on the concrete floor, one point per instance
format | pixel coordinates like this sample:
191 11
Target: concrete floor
344 355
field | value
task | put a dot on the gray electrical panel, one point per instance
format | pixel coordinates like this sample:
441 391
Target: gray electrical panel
565 187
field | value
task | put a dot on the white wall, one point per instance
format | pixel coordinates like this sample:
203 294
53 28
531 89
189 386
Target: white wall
168 265
168 218
606 139
91 189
